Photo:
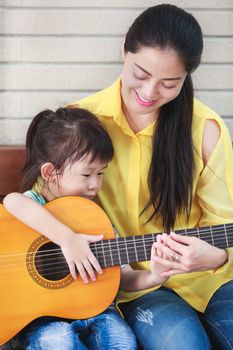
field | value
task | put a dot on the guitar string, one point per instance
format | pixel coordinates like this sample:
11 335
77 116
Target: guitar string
129 238
95 247
101 261
121 241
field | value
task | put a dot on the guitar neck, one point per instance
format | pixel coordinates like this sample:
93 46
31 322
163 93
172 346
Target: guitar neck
125 250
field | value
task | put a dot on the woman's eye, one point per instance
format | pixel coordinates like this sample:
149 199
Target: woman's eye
139 77
102 173
169 87
86 175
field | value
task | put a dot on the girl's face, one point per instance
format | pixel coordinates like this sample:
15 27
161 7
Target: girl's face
150 78
82 178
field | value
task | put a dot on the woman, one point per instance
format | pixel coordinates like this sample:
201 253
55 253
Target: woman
172 169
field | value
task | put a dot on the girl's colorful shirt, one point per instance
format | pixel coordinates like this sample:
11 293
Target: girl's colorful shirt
125 191
36 197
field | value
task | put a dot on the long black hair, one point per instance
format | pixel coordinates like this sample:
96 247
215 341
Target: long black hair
170 178
61 137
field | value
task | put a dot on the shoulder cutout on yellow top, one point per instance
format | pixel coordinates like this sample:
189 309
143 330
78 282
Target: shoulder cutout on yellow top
210 138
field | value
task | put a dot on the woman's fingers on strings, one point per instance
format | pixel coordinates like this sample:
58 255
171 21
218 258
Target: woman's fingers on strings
155 251
165 251
176 257
173 245
180 238
169 259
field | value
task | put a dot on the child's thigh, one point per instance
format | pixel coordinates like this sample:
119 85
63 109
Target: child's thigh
50 334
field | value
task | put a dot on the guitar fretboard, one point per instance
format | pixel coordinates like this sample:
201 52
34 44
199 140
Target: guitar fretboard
124 250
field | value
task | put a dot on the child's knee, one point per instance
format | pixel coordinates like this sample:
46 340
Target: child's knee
53 336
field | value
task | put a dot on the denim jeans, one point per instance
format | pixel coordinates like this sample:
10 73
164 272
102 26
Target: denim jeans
105 331
162 320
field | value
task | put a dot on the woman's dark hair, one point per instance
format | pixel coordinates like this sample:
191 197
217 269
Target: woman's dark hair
63 137
170 178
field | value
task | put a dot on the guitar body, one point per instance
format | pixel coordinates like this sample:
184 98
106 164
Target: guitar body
27 293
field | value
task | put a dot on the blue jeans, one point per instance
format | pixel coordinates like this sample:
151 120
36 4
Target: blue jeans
105 331
162 320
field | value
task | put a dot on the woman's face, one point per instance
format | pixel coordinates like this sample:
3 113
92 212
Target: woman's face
150 78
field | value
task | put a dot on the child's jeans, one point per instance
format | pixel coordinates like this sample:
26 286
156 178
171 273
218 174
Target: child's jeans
105 331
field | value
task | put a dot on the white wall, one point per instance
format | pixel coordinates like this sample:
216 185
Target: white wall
55 51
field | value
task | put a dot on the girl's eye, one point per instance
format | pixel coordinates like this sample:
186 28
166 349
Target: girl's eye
102 173
86 175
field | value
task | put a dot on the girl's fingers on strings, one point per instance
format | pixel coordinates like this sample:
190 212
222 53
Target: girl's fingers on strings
89 269
82 272
94 262
72 270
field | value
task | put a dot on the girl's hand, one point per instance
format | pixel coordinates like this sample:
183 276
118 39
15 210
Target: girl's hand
79 256
188 254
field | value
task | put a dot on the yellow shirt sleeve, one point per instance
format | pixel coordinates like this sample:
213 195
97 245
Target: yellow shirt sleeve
215 189
215 185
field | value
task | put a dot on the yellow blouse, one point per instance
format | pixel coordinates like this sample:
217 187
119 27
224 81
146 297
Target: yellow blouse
125 192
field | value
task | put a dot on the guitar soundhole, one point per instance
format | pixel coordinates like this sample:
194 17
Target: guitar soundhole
50 262
46 264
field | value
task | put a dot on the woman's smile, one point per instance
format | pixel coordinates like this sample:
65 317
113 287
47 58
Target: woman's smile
144 102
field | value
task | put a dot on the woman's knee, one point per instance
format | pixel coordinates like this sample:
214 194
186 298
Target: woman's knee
163 320
218 317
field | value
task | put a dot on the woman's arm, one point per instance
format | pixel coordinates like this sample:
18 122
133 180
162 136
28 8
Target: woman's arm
211 136
75 247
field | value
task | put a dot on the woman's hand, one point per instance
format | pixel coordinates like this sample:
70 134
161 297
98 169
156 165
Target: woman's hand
156 268
188 254
79 256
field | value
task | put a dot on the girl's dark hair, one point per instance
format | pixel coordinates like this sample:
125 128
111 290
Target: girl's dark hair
63 137
170 178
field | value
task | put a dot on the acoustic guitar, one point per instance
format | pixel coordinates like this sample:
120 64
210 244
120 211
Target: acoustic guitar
34 276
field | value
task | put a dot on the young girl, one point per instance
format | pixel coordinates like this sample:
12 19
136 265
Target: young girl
67 152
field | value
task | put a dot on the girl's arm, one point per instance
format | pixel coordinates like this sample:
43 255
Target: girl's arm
75 247
134 280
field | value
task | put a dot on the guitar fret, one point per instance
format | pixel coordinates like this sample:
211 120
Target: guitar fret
123 250
144 246
148 249
109 243
96 251
212 237
139 248
225 232
136 254
126 250
131 249
198 232
230 235
118 250
102 244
